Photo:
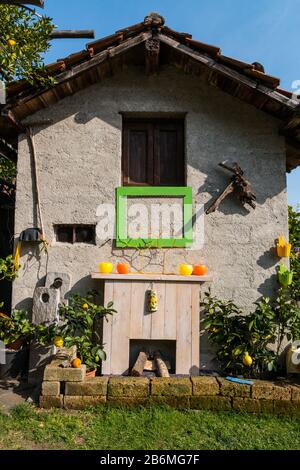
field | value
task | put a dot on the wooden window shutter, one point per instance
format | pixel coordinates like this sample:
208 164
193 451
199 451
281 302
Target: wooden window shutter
153 153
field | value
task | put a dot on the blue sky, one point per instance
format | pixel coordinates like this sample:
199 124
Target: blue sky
266 31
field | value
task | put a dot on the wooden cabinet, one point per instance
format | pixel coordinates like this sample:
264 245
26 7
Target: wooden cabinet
177 318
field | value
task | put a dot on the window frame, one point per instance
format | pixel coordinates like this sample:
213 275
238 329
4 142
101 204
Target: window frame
123 241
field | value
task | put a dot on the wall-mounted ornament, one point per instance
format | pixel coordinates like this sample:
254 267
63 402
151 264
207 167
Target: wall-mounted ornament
238 185
283 248
152 305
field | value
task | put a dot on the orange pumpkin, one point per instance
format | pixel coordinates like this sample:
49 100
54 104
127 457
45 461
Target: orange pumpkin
123 268
200 269
76 363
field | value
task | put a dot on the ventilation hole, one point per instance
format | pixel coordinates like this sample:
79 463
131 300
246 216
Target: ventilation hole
45 297
57 283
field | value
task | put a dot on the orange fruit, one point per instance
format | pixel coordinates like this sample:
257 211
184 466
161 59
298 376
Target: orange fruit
200 269
76 363
123 268
85 306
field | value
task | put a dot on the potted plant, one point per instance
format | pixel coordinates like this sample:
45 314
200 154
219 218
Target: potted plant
8 268
78 328
16 332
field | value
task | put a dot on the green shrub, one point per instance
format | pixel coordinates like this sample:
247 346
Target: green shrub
260 334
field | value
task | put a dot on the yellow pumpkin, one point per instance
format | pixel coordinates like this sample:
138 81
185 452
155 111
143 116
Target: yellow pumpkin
106 267
186 269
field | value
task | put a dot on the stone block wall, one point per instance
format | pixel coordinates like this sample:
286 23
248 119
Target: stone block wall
71 390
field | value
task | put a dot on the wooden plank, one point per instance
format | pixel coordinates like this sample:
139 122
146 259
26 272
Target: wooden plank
184 321
137 309
158 318
195 329
170 312
121 329
153 277
107 327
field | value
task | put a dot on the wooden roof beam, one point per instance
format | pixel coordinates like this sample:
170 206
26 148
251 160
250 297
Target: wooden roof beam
72 33
225 71
152 50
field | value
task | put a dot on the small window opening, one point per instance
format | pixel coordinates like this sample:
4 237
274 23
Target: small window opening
75 234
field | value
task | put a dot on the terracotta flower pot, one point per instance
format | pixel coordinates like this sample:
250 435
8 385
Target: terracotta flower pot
16 345
91 373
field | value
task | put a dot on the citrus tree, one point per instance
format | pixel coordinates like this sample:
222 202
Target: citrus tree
294 235
24 38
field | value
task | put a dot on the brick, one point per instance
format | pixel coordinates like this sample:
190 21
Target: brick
173 386
51 388
128 387
68 374
295 390
180 403
270 391
127 402
82 402
267 406
91 386
284 407
205 386
51 401
246 404
214 403
231 389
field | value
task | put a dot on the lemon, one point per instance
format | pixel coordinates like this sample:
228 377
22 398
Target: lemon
11 42
85 306
58 341
247 360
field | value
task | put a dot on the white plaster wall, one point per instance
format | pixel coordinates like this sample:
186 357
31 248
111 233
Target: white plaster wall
79 159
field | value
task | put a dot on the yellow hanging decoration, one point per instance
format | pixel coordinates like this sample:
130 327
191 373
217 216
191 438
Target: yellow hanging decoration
17 256
283 248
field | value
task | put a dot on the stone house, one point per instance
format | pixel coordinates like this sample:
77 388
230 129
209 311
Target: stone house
150 106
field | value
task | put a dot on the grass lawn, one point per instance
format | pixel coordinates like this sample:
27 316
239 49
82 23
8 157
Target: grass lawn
158 428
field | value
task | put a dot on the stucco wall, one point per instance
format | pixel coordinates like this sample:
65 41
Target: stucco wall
80 166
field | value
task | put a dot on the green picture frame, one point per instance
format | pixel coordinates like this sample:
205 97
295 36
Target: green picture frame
122 193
